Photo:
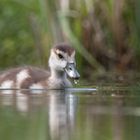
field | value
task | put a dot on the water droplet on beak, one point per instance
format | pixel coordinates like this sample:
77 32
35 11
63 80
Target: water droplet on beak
76 82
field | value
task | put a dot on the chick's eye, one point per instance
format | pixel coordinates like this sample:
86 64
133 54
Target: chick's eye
60 56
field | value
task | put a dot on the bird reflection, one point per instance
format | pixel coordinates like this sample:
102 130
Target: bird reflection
62 109
59 105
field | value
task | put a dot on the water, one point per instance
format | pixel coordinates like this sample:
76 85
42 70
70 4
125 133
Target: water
76 82
103 113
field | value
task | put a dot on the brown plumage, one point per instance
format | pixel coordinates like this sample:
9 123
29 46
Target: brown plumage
31 77
64 48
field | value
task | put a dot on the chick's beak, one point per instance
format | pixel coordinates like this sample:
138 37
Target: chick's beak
71 71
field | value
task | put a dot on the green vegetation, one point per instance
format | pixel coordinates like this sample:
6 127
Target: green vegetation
104 33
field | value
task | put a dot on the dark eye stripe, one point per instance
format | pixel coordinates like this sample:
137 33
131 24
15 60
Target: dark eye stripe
60 56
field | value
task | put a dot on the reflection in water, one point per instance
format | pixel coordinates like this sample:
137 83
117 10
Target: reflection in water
69 115
61 108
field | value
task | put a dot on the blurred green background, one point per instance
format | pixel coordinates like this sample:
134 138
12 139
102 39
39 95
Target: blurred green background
104 33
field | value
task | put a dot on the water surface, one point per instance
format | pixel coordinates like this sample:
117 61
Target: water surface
104 113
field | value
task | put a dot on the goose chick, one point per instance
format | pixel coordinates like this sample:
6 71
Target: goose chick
62 64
